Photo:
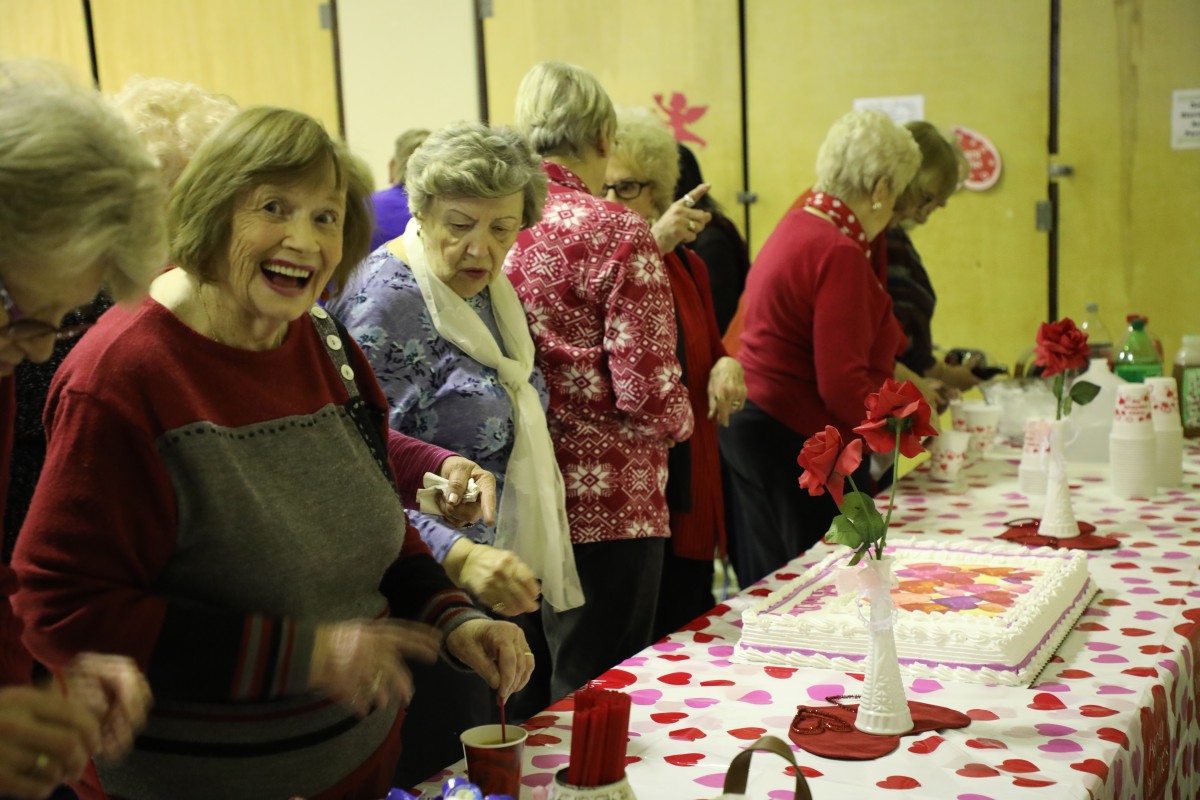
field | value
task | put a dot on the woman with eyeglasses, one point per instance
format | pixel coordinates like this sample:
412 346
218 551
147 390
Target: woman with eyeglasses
913 298
81 206
641 176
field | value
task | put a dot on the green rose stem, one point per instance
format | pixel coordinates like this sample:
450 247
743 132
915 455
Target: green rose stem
896 426
1058 395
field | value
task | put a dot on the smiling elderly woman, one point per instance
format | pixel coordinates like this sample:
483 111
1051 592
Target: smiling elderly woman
444 331
220 497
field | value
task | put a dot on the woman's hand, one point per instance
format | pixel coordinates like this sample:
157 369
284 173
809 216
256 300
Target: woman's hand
45 739
497 651
455 510
117 694
726 390
497 577
361 662
681 223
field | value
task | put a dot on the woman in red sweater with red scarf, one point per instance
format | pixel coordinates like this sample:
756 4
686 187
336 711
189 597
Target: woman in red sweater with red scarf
818 337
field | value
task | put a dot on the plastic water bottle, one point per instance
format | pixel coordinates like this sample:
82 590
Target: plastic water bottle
1100 341
1187 378
1137 359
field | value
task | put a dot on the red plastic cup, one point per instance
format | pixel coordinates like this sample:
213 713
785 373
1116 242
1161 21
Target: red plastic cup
492 765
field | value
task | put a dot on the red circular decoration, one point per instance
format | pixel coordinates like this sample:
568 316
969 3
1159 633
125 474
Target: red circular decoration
983 157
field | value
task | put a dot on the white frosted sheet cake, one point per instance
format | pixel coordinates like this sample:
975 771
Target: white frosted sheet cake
969 611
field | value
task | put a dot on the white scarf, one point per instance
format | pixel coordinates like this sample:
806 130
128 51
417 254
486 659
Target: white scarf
532 518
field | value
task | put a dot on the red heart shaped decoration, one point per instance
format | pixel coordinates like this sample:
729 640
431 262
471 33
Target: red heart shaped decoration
674 657
632 760
780 672
759 592
1170 601
1044 701
668 717
1096 711
1164 570
718 682
987 744
698 624
613 679
1135 632
1094 766
1115 736
541 740
1031 782
684 759
926 745
1155 649
786 576
1123 565
807 772
1193 614
702 638
981 714
1090 626
748 734
1017 765
1071 674
540 721
676 678
1141 672
688 734
977 771
897 782
1113 601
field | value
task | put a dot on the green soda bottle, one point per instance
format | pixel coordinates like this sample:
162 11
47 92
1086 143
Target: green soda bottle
1137 359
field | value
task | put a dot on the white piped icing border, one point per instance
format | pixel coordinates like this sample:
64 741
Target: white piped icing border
1009 649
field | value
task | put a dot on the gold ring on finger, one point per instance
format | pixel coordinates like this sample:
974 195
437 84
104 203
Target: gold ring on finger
41 763
497 607
688 201
376 681
528 654
691 226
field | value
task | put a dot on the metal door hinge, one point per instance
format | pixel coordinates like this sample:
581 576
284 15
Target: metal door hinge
746 198
325 13
1060 170
1044 215
484 8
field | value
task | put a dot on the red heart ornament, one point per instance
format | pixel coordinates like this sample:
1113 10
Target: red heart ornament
807 772
1141 672
668 717
1071 674
1094 766
977 771
1155 649
540 721
688 734
748 734
1135 631
926 745
780 672
674 657
987 744
1095 711
613 679
1031 782
541 740
898 782
982 715
702 638
1044 701
1115 736
1090 626
676 678
718 682
1017 765
684 759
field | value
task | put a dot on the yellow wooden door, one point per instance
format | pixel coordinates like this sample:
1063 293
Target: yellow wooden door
1128 228
678 57
273 52
983 65
53 30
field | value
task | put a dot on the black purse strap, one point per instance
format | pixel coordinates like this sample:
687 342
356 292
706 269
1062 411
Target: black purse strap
368 419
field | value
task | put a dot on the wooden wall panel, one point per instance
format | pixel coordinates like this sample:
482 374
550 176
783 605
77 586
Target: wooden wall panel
639 51
980 64
272 52
54 30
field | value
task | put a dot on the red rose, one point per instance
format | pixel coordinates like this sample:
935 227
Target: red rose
826 464
1060 346
897 408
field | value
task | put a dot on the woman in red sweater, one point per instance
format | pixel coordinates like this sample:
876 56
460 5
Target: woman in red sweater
818 337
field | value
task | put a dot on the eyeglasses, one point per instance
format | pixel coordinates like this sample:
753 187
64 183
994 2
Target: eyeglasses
21 329
627 189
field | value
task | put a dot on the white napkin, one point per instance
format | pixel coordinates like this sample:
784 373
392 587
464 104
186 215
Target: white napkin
427 497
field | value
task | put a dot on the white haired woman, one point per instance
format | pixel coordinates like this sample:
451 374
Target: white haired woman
446 335
81 205
818 337
641 176
225 504
599 306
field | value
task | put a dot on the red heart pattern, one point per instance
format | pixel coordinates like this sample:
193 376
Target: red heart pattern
977 771
668 717
688 734
1017 765
926 745
684 759
748 734
1094 766
1044 701
898 782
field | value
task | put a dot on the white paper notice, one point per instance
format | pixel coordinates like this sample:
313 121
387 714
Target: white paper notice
901 108
1185 119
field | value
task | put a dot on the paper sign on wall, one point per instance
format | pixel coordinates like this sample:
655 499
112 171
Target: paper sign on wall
901 108
1185 119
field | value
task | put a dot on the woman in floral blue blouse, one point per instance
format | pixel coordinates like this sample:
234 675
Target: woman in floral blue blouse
448 340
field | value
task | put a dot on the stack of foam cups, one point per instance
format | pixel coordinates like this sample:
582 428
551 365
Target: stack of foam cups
1168 430
1133 447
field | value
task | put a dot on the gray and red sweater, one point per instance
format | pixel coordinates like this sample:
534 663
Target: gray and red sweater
203 508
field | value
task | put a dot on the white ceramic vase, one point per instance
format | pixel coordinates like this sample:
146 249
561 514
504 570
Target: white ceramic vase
561 790
1058 517
884 707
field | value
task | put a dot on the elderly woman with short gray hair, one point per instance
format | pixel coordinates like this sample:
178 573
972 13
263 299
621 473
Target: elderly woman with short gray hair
819 336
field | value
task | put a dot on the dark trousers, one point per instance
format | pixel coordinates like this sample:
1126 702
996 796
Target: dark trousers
620 584
685 592
778 519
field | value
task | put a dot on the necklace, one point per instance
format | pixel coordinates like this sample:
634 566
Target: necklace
212 328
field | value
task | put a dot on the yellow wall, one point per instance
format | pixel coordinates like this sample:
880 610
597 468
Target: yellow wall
46 29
